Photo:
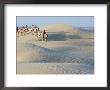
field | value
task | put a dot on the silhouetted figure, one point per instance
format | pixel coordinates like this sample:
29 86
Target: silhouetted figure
38 29
45 35
26 26
35 26
17 28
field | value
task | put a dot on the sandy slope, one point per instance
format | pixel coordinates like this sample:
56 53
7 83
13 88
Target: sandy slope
65 51
54 68
60 28
68 56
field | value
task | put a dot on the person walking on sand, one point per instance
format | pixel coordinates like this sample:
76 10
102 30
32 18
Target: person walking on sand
43 32
45 35
26 26
17 31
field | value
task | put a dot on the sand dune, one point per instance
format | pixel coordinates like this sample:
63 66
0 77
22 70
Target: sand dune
60 28
63 53
56 56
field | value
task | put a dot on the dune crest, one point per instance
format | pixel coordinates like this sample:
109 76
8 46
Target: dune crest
60 28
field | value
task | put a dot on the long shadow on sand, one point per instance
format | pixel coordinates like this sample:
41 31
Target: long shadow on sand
60 36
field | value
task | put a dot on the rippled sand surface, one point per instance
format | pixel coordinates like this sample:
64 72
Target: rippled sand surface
69 56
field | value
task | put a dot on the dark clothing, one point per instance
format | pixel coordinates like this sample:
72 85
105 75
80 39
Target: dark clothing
44 33
17 28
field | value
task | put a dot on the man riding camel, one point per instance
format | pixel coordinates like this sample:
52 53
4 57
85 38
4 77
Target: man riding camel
45 33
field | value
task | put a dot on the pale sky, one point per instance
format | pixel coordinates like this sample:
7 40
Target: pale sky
77 21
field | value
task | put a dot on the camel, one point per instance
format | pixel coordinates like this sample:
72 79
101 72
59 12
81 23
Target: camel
22 31
34 30
19 32
42 36
25 31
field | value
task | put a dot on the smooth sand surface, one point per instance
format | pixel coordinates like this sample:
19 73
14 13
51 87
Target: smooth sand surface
54 68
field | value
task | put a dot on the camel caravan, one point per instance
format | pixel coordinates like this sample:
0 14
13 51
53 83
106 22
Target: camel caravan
34 30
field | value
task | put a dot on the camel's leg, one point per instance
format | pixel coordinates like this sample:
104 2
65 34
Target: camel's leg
32 33
37 36
46 39
21 33
17 33
24 33
42 39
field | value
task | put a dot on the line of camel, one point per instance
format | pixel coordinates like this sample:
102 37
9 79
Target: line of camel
34 30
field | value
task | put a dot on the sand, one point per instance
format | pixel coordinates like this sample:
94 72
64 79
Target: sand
54 68
59 55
